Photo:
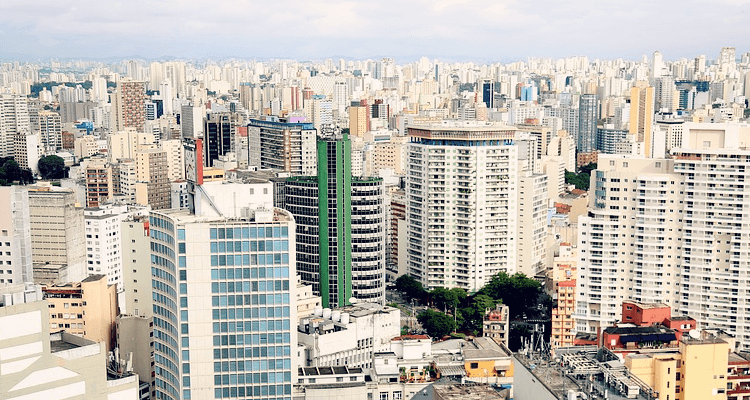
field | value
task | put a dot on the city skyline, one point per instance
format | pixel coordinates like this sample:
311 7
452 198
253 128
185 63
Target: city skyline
449 29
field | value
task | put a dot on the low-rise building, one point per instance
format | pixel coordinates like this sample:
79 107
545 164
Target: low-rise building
35 364
348 336
87 308
495 324
307 302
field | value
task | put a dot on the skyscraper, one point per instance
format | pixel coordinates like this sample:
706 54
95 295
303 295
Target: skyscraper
15 236
152 179
488 93
588 111
461 204
57 230
286 146
340 228
218 134
642 114
129 106
224 325
678 237
50 127
14 119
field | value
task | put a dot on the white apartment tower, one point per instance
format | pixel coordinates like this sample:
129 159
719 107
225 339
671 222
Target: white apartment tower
672 231
15 236
461 203
628 243
14 119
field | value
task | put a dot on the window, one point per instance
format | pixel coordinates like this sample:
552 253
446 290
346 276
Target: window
474 365
397 395
383 395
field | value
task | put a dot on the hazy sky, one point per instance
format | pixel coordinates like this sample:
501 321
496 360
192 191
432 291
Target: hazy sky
480 30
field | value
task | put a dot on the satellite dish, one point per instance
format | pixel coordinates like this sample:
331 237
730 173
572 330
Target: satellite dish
352 300
694 334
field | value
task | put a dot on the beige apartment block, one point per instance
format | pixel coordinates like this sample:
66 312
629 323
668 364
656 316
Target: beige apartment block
57 229
87 308
35 364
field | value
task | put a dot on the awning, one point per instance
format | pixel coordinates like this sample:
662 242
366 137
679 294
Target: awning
452 370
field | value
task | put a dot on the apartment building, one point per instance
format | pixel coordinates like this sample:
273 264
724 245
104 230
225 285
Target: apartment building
461 203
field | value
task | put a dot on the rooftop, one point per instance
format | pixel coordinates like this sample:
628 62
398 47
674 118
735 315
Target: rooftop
647 306
411 337
451 390
62 341
586 369
339 370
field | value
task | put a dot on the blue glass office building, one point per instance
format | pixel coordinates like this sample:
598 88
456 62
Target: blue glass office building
223 315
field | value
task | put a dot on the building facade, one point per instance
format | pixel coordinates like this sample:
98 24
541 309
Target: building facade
289 147
222 289
588 112
57 230
461 204
340 228
15 236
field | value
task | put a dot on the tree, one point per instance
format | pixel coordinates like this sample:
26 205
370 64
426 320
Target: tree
582 179
474 313
436 323
443 299
518 292
460 295
410 287
52 167
10 171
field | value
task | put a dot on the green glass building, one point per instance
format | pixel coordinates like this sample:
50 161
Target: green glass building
340 228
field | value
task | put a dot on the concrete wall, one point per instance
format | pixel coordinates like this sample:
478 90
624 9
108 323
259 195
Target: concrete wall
528 387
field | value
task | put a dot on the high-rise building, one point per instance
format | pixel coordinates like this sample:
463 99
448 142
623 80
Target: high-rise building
340 228
14 119
641 114
224 324
608 138
218 136
99 187
152 179
588 112
136 251
125 143
561 281
532 223
286 146
460 204
27 150
57 230
15 236
396 239
104 241
320 110
664 94
175 158
488 93
129 106
680 230
50 127
358 119
191 121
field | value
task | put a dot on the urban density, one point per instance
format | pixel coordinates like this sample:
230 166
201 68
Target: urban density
368 229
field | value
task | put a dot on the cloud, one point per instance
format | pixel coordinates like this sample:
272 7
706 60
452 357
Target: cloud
459 29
